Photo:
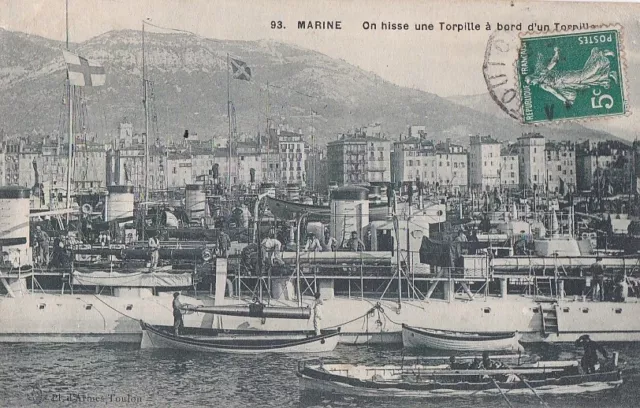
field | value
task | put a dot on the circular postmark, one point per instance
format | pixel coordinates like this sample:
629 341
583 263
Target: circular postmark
499 72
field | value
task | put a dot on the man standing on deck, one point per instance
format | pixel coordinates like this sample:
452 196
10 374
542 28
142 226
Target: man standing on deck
355 244
177 314
154 245
317 313
43 246
271 250
330 242
224 243
597 275
590 358
313 244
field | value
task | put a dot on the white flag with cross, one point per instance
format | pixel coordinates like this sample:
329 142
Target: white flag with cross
83 72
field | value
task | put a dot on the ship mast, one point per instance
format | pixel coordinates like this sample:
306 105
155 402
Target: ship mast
229 118
70 101
146 137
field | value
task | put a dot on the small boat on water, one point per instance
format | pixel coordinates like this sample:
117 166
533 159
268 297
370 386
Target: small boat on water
417 337
238 341
422 381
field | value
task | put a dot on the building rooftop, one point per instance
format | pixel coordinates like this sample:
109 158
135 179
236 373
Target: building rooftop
531 135
483 140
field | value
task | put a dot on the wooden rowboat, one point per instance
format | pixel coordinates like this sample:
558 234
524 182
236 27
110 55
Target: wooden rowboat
238 341
415 337
441 381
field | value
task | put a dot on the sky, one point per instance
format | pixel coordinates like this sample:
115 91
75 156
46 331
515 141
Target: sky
442 62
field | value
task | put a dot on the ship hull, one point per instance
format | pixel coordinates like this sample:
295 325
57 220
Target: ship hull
105 319
48 318
363 323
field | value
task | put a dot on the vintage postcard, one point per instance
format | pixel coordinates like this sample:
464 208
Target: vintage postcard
319 203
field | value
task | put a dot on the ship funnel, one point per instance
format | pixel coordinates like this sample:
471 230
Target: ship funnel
554 224
514 211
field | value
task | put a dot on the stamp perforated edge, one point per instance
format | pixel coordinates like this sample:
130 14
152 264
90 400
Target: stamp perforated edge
623 72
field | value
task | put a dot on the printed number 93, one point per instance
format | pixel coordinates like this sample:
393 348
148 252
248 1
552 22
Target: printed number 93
604 101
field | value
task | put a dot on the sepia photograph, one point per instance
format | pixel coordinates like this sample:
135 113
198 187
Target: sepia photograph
327 203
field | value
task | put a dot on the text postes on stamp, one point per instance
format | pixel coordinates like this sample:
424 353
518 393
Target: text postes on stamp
571 76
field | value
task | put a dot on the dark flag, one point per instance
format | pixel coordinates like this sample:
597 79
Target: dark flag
240 70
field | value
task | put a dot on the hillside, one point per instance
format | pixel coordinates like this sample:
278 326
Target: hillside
190 90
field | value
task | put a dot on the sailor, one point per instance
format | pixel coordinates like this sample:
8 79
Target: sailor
355 244
489 364
42 238
597 275
271 250
178 324
317 313
520 247
590 358
457 366
461 236
330 243
622 288
224 243
154 245
59 257
105 239
313 244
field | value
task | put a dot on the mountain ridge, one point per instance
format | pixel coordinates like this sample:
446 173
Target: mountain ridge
306 89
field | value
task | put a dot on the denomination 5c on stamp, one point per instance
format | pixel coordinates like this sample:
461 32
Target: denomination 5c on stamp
571 76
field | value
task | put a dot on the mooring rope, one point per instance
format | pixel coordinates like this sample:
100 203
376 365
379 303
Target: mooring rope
114 309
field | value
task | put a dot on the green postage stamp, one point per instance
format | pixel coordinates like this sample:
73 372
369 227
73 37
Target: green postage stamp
571 76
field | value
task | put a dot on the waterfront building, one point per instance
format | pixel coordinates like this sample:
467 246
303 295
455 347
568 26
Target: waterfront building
561 167
532 161
604 166
509 167
359 157
445 168
49 155
484 163
292 155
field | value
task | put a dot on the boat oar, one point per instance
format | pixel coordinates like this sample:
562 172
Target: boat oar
502 393
529 387
532 390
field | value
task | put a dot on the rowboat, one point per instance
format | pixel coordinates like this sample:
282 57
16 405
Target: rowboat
416 337
238 341
420 381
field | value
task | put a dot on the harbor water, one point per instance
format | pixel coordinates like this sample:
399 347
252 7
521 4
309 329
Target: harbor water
55 375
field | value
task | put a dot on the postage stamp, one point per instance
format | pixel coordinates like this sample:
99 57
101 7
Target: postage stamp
571 76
